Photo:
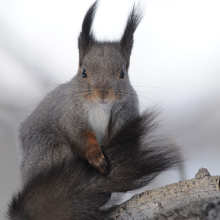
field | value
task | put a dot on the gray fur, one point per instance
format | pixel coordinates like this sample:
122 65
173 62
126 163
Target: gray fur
51 131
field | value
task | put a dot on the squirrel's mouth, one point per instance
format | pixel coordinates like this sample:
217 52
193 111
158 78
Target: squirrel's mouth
103 102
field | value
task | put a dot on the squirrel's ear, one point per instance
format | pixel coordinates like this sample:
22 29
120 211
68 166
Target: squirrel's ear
126 41
86 38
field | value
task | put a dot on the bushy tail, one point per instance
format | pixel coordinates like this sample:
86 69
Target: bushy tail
74 190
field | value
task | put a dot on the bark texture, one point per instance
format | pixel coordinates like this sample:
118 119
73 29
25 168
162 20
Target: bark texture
196 198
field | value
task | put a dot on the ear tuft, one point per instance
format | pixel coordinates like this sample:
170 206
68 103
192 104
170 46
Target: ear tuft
133 21
86 37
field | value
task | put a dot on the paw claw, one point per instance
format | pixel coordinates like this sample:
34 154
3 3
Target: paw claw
98 161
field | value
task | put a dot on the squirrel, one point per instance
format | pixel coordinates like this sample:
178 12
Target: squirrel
87 138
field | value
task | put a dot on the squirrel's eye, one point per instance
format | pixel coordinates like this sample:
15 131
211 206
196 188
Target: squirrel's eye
84 74
122 74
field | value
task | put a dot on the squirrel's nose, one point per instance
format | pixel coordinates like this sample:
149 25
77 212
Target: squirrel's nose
102 93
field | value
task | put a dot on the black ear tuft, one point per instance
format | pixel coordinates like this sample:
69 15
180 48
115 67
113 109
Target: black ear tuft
86 38
126 42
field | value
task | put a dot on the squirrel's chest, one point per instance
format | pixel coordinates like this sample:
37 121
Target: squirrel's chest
98 118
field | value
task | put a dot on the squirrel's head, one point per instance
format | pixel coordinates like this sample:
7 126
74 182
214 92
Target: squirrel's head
103 66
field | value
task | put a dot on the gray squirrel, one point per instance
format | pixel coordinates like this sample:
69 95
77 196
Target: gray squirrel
75 115
87 138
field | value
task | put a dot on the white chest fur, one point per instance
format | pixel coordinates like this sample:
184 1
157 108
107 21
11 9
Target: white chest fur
98 119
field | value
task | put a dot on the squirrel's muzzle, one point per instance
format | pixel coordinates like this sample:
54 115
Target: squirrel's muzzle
102 93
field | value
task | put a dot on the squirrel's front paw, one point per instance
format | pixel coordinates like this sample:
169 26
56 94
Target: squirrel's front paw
97 159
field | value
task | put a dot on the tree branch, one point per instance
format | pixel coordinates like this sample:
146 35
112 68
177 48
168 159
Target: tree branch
202 188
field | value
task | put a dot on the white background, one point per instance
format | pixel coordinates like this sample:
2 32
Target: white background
175 64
